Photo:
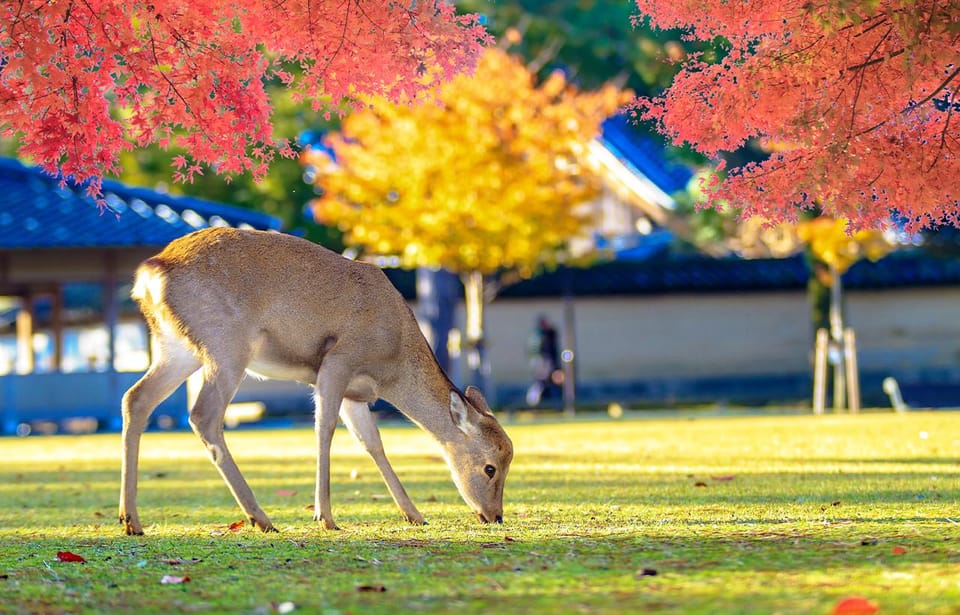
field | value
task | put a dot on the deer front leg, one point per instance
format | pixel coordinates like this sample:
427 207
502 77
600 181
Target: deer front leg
170 368
328 396
360 421
206 420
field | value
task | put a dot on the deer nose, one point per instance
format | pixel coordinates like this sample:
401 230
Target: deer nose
483 518
499 519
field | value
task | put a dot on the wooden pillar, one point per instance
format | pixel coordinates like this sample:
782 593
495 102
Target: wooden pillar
26 361
57 328
111 309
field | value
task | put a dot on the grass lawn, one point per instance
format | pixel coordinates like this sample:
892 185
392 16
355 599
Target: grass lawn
786 514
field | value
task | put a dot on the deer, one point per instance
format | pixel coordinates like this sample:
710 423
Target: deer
227 302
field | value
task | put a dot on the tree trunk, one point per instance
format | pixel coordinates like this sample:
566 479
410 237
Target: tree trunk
836 340
477 367
437 298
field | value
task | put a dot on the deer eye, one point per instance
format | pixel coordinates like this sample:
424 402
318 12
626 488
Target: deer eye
489 470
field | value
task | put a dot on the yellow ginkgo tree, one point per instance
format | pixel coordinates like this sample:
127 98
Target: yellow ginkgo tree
833 249
490 178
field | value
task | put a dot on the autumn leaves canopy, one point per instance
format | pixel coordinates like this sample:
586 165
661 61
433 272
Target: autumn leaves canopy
853 100
856 101
82 81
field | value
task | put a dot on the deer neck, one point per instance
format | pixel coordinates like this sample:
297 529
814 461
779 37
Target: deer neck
422 394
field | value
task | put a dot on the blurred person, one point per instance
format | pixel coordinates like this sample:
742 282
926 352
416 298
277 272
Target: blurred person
544 363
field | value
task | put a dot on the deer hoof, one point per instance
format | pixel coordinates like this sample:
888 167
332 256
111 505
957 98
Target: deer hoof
131 526
328 525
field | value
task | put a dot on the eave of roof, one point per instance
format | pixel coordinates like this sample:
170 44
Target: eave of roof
36 212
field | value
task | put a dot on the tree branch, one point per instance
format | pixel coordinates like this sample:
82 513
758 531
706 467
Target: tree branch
926 99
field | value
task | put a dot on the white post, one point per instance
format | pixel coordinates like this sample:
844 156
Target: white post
853 377
820 371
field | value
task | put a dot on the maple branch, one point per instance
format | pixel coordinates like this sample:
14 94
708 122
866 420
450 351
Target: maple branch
173 87
925 100
343 38
863 75
943 138
888 56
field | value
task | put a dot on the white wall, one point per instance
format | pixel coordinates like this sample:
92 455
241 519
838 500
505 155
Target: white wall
678 336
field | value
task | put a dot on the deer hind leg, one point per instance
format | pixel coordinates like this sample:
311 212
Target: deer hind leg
220 383
172 364
360 422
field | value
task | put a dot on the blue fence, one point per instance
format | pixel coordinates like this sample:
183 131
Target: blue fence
57 397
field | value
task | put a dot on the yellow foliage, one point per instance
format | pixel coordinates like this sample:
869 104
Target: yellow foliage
830 241
486 179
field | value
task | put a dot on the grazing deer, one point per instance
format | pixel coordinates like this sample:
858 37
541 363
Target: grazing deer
225 301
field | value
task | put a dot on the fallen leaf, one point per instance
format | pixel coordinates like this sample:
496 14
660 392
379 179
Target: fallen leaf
169 579
648 572
236 525
308 507
371 588
289 493
868 542
724 478
699 483
285 607
67 556
509 539
855 605
899 551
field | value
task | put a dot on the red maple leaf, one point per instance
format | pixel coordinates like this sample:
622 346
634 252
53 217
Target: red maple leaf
236 525
855 605
67 556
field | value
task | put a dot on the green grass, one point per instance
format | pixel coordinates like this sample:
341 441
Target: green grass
741 515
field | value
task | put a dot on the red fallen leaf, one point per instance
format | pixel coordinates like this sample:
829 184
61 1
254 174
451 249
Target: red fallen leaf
66 556
371 588
699 483
169 579
236 525
288 493
723 478
855 605
899 551
509 539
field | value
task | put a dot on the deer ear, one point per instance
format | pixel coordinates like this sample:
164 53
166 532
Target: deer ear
476 398
460 414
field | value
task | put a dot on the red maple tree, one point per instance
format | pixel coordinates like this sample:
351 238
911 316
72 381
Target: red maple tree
854 99
82 80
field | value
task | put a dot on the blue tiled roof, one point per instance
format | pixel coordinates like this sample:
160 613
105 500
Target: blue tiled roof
643 155
35 212
691 273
